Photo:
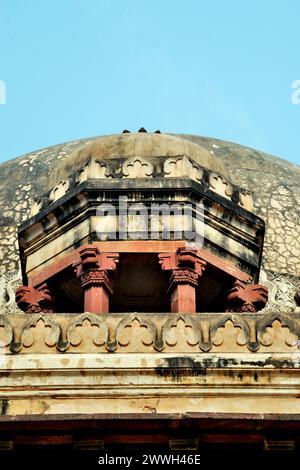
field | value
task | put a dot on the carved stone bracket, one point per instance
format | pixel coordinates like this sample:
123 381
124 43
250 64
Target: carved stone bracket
244 297
35 300
95 272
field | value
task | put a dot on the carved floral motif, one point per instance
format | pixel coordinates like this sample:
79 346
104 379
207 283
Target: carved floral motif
282 291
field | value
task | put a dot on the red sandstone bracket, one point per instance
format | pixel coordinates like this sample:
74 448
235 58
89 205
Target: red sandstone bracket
186 267
35 300
94 270
244 297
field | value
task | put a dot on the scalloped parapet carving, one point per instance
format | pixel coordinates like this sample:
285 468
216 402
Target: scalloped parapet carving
220 186
182 166
94 169
60 189
137 167
149 333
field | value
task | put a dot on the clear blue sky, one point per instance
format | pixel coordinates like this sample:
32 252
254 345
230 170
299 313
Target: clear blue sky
78 68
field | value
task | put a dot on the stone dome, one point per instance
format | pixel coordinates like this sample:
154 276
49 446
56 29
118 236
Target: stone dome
273 181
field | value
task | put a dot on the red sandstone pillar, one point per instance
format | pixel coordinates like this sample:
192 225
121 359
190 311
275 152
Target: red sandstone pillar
95 271
97 287
183 299
185 268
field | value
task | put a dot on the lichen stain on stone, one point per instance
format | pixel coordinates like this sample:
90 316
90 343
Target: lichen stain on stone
44 407
4 404
178 368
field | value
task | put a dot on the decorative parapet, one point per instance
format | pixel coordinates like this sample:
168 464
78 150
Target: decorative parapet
140 167
151 333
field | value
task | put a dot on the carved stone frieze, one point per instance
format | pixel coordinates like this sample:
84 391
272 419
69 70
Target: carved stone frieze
272 332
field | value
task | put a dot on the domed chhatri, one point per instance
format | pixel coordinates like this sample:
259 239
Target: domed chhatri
273 181
141 297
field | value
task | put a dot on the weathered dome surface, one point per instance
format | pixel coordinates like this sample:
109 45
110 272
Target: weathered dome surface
274 182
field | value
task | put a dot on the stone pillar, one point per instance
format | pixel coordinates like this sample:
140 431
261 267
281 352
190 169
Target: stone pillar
95 271
35 300
185 267
244 297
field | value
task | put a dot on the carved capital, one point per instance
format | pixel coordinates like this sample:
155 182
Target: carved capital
96 277
185 266
189 258
95 268
185 276
244 297
35 300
